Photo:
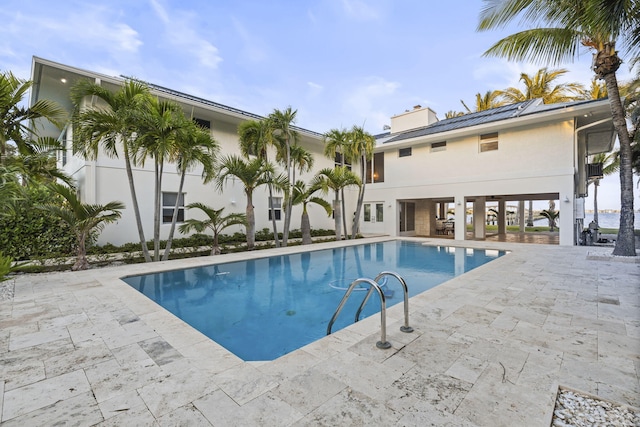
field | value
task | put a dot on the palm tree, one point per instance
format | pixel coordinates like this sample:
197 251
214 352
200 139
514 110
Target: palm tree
552 216
281 123
215 222
491 99
255 138
194 146
361 147
610 165
17 122
336 179
336 144
110 128
303 195
252 173
541 85
452 114
595 91
83 219
596 24
160 125
35 161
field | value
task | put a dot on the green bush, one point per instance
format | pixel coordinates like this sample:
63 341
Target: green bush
5 267
27 232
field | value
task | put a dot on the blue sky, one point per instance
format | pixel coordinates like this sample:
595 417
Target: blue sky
338 62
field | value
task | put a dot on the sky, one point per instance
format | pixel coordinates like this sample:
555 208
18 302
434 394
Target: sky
337 62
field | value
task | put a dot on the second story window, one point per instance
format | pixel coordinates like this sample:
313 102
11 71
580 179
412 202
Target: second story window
404 152
489 142
438 146
375 169
169 205
276 203
338 161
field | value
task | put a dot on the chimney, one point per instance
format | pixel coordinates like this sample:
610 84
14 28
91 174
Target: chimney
416 118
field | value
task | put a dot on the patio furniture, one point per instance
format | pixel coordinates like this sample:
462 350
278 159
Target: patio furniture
449 227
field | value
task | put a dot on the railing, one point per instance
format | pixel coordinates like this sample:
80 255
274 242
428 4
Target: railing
374 285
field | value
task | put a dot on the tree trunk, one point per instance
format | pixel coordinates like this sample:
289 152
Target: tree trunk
305 226
157 210
625 243
251 223
287 209
215 249
276 238
344 213
174 218
337 214
81 261
134 201
530 216
356 219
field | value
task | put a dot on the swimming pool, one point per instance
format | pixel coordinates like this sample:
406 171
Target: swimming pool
264 308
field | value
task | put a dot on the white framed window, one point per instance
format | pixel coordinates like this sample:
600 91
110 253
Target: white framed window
489 142
404 152
276 203
375 169
438 146
169 205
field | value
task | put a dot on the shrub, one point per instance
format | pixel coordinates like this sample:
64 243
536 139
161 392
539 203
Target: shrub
27 232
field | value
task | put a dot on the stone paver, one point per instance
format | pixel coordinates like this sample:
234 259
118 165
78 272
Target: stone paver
490 347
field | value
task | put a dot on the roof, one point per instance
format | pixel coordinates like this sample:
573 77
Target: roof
505 112
214 104
230 111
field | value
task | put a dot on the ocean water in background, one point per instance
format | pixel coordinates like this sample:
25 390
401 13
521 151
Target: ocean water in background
605 220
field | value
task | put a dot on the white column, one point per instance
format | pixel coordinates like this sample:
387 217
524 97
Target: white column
460 228
502 217
479 218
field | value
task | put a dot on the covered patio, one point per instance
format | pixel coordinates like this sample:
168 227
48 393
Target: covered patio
479 216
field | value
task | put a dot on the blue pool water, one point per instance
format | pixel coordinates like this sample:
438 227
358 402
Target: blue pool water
264 308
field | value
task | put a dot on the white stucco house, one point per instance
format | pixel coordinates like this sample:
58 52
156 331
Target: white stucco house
424 170
105 180
515 153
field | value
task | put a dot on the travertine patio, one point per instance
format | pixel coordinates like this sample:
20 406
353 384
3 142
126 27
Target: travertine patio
490 348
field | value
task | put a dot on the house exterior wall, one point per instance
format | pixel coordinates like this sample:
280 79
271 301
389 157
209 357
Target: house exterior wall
529 160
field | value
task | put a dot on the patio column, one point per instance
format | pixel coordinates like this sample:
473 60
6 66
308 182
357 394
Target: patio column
479 218
521 219
502 217
460 218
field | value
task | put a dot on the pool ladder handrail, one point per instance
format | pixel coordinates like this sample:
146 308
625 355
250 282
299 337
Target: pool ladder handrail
374 285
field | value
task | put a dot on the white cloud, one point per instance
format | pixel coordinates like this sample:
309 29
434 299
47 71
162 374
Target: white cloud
253 49
362 101
360 10
180 32
315 89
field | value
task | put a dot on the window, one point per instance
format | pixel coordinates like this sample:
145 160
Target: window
379 212
489 142
276 204
168 206
404 152
63 150
439 146
367 212
338 161
375 169
203 123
